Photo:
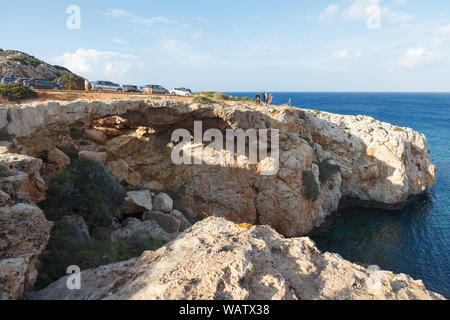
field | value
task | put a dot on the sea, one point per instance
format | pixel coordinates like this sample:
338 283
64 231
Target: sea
416 239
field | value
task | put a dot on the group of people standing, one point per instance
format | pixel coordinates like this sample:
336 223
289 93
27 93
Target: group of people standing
264 98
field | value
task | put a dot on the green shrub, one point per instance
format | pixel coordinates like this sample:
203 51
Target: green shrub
311 188
215 96
202 100
44 156
76 134
69 151
26 61
59 68
327 170
398 129
5 135
71 81
63 252
87 189
4 172
16 92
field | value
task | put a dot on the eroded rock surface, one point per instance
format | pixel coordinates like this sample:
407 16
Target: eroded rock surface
24 230
377 163
218 259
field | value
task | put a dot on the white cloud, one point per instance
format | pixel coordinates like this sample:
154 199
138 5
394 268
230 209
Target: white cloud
99 64
329 12
359 10
419 57
136 20
346 54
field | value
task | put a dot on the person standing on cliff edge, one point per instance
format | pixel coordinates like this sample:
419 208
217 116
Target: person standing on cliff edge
86 85
270 99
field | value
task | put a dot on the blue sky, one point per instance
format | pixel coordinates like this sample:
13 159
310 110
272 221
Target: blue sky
242 45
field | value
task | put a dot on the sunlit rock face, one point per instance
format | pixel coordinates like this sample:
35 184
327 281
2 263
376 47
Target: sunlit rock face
218 259
322 157
24 230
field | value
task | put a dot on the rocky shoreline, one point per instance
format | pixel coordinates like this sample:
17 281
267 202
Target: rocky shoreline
324 159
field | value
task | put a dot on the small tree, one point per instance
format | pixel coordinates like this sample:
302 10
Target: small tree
16 92
71 81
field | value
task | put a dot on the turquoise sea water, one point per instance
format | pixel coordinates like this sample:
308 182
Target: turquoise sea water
416 239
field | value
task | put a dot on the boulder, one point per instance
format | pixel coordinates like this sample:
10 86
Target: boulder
137 202
58 158
133 228
24 233
221 260
173 222
123 172
163 202
35 186
184 223
97 156
96 136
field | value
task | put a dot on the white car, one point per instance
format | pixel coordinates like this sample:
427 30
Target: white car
180 92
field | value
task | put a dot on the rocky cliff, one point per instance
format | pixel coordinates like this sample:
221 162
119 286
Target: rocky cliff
22 65
324 159
217 259
24 230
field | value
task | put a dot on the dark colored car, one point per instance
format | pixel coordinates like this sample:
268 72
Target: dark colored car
130 88
42 84
8 80
154 88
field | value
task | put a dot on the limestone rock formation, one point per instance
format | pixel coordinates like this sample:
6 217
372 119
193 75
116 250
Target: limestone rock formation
19 64
217 259
22 166
58 158
24 230
173 222
133 228
24 233
137 202
323 157
163 202
380 163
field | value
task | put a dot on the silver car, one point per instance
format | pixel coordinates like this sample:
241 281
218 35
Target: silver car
107 86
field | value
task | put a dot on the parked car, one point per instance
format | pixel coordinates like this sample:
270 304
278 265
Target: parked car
130 88
42 84
107 86
8 80
181 92
154 88
141 89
